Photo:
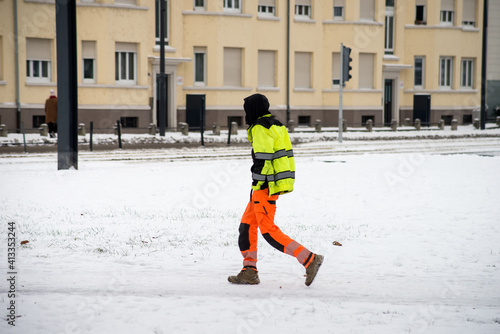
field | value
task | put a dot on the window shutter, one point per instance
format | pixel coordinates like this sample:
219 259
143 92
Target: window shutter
88 50
367 11
366 62
420 2
125 47
448 5
302 70
303 2
469 11
266 69
267 3
232 67
38 49
336 65
338 3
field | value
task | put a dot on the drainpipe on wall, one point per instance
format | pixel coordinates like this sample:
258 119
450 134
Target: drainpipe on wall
16 42
288 63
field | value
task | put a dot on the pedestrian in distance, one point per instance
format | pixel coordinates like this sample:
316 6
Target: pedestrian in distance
273 174
51 113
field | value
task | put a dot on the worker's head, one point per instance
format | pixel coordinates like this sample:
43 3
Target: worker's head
256 105
52 92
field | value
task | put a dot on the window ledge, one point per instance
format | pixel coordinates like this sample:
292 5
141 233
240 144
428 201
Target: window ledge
391 58
168 48
440 91
3 83
119 86
304 90
265 17
225 88
446 27
41 83
268 89
303 20
371 23
198 12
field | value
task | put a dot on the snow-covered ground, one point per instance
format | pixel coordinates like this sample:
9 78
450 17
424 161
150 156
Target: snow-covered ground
145 245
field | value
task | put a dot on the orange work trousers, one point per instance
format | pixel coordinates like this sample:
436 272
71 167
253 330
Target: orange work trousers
259 214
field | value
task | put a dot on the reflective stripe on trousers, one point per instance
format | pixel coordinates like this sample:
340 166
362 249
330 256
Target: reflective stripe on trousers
259 214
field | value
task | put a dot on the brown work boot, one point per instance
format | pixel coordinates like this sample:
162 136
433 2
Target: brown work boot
313 268
246 276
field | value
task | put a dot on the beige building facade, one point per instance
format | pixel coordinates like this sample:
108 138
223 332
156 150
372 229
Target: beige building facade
229 49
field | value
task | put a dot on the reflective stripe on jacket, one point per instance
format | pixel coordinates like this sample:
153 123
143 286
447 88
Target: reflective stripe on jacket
273 161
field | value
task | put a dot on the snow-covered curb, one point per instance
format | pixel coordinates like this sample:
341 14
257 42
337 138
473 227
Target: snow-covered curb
302 135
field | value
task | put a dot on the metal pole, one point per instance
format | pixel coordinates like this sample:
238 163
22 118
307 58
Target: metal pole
119 128
341 85
483 66
16 42
24 137
163 98
67 102
288 64
229 132
91 135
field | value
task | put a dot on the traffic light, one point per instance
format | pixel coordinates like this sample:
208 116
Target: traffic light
346 64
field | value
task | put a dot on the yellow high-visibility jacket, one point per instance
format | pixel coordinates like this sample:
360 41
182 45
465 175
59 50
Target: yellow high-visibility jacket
273 162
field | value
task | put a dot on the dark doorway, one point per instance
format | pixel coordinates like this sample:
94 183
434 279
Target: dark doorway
158 100
195 111
388 102
422 108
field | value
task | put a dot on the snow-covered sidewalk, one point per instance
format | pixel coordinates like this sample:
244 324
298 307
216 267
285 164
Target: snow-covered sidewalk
145 246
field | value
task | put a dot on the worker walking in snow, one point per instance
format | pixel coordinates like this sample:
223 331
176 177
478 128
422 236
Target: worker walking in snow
273 174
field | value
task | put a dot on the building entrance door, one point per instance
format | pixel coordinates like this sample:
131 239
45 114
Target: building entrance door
388 87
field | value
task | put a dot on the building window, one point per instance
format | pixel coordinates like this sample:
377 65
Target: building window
267 7
199 5
303 70
303 9
366 70
338 10
418 80
126 63
37 121
200 66
232 67
157 22
267 69
467 80
129 122
367 10
420 12
389 27
38 59
469 13
336 69
447 12
304 120
445 72
232 6
88 61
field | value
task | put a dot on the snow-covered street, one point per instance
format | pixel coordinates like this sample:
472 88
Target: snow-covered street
143 241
